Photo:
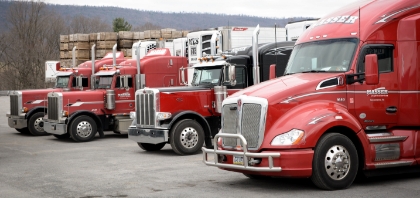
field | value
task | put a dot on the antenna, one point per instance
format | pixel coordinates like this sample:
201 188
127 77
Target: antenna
359 24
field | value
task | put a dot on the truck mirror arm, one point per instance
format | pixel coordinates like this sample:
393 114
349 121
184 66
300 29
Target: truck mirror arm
350 78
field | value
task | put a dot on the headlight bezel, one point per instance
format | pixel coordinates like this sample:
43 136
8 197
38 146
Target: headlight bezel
289 138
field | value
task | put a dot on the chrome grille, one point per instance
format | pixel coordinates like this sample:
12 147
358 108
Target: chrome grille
251 116
14 104
53 112
230 118
145 109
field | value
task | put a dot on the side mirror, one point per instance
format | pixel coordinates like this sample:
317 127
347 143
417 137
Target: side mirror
371 69
79 81
126 82
231 74
182 76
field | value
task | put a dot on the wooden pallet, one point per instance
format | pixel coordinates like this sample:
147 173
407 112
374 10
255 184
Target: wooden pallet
79 38
105 44
107 36
125 43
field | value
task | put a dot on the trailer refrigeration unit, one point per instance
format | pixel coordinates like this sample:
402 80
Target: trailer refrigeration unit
28 107
295 29
186 117
348 103
81 115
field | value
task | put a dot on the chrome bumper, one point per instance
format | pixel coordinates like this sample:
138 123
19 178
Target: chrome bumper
17 122
55 128
152 136
245 154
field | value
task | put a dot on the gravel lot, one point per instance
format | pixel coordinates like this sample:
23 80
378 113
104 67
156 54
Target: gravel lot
116 167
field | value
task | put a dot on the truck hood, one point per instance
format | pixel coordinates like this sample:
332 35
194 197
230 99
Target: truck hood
34 96
280 89
79 98
182 89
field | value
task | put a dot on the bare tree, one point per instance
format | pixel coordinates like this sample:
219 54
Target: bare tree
147 26
31 40
82 24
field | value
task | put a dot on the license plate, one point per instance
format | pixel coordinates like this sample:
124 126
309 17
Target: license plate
238 160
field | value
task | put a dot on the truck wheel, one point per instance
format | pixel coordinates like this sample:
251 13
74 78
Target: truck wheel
36 124
82 129
23 130
187 137
61 137
151 147
335 162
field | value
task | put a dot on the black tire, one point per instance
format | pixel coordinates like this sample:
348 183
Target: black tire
83 129
187 137
62 137
23 130
36 124
335 163
151 147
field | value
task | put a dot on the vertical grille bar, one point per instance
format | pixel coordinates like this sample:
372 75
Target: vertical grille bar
251 116
146 112
138 105
53 108
14 105
230 116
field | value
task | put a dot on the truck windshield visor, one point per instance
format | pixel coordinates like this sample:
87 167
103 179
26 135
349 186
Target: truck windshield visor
62 81
104 82
322 56
206 76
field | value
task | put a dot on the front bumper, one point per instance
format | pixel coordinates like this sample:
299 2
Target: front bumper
151 136
55 128
17 122
279 163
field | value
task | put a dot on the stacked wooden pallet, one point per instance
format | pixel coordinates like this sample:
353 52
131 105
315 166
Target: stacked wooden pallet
81 42
104 43
64 50
125 42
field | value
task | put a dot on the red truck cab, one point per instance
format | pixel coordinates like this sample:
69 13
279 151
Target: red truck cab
28 107
348 102
80 115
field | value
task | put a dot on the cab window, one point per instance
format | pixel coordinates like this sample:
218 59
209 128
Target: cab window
385 58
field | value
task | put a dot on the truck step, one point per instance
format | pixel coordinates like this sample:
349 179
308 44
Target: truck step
393 164
380 139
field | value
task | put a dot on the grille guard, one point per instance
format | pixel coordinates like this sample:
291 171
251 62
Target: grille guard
243 153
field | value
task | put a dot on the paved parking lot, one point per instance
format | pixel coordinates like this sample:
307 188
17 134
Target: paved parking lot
116 167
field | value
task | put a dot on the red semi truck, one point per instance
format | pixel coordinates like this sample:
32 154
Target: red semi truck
349 102
186 117
28 107
82 114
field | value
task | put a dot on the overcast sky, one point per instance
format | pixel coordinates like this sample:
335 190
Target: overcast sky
261 8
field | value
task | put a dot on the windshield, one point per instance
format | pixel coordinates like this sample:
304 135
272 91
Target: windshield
206 76
104 82
322 56
62 81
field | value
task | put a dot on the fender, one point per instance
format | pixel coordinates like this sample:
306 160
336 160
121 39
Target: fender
35 110
315 118
88 113
201 120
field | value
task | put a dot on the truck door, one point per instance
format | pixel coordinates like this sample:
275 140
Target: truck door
377 105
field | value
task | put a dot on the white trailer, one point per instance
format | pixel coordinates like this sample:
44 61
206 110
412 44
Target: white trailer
51 70
295 29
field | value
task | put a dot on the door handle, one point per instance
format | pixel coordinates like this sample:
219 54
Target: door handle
391 109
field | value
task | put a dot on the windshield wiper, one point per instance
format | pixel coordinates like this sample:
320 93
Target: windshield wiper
289 74
313 71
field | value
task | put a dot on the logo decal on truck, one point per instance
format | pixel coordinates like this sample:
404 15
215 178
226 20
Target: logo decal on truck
378 92
124 95
346 19
239 29
385 17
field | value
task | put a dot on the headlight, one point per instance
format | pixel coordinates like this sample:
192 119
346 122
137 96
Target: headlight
290 138
133 115
24 110
65 114
163 115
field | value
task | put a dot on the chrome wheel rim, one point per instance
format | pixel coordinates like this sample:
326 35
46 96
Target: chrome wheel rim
189 137
39 125
84 129
337 162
